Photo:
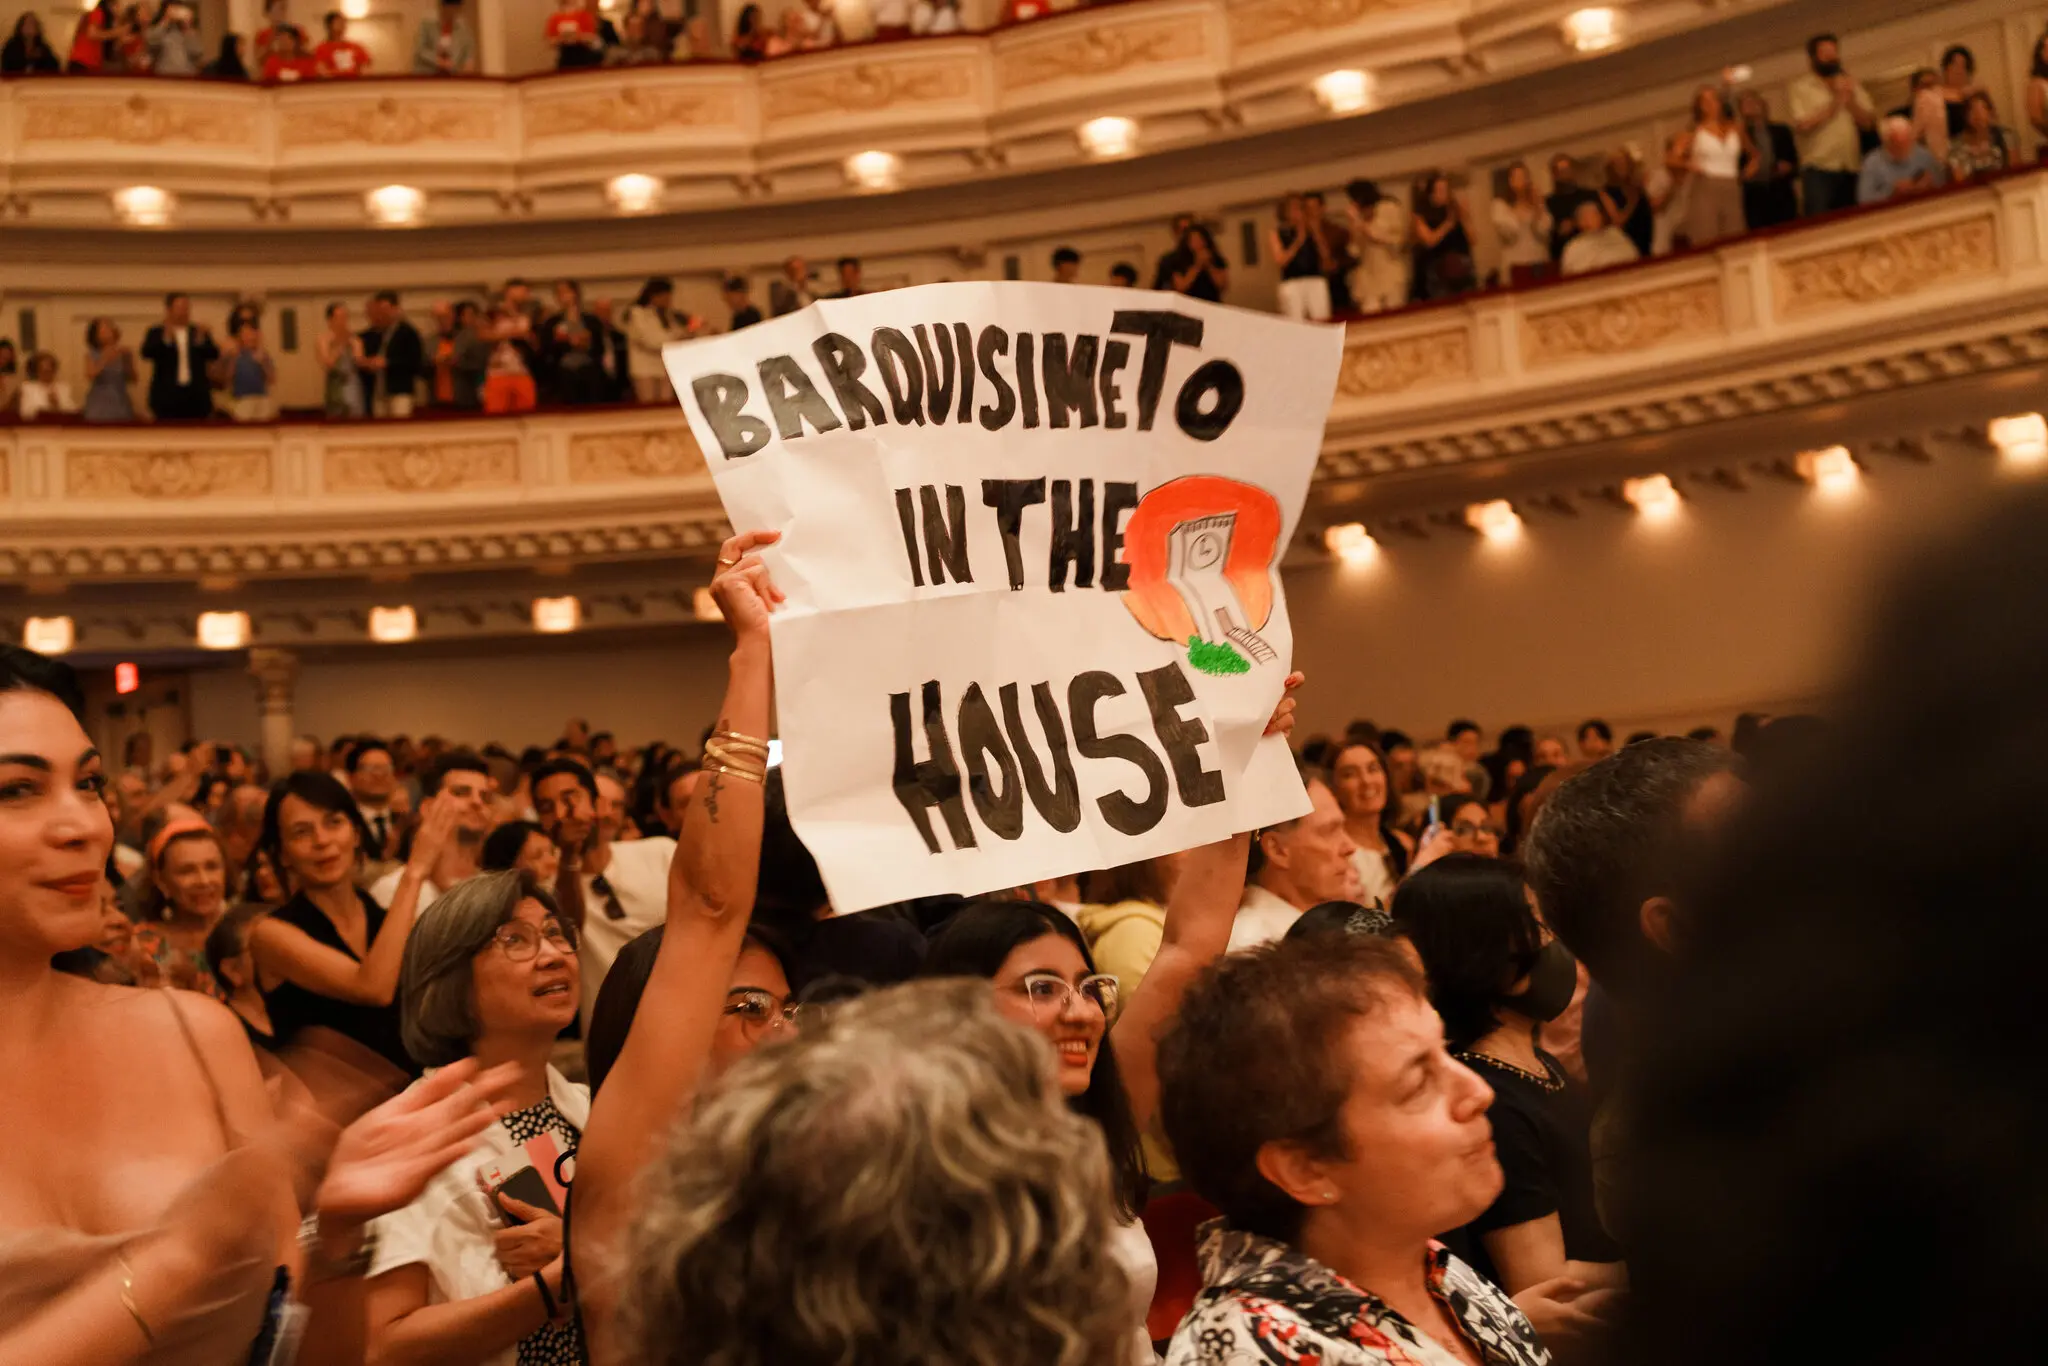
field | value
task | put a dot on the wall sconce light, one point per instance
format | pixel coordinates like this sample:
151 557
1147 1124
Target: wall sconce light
2021 438
1344 92
1653 495
1831 471
1594 29
874 170
1351 543
144 206
393 625
1496 521
49 635
223 630
556 616
1108 137
395 206
635 193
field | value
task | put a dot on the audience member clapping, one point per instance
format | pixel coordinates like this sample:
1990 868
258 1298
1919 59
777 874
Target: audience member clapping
444 46
174 45
109 374
1830 112
248 372
338 54
289 61
652 323
1521 225
41 391
1980 147
1443 248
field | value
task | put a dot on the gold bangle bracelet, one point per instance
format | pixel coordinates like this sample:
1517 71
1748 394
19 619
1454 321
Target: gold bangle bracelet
746 774
734 740
718 752
128 1298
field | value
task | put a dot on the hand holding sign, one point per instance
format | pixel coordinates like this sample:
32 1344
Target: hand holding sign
745 592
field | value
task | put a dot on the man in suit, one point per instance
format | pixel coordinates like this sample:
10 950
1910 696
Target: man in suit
394 355
572 340
793 291
179 352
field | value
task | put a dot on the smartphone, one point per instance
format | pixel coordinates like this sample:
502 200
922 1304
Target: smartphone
528 1186
1436 818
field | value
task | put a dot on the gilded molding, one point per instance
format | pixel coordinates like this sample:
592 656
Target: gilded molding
166 474
1627 322
1392 367
634 109
388 122
865 88
1888 268
140 120
616 457
1253 22
442 468
1103 51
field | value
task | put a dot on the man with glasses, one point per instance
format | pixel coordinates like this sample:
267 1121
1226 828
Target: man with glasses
1296 865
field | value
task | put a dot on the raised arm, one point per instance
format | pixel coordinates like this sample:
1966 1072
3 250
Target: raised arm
711 883
1199 916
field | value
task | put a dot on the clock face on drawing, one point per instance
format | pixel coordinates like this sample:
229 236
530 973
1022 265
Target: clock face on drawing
1206 551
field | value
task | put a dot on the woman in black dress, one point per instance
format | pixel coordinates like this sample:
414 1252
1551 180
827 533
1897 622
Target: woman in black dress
1443 249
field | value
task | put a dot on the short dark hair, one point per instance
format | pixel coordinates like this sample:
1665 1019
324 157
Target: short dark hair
1610 839
735 284
332 15
556 767
386 296
502 845
454 761
1065 256
1813 44
366 745
1460 727
229 936
1958 50
846 261
1395 739
1598 727
1124 272
1254 1057
1364 193
1469 918
26 671
174 296
318 789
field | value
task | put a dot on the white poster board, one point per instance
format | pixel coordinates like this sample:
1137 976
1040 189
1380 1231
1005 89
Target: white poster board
1031 541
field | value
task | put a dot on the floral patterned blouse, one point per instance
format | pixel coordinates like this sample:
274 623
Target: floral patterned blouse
1267 1304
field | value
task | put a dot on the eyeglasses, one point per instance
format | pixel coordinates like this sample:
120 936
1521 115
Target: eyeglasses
1466 830
519 941
1051 994
762 1013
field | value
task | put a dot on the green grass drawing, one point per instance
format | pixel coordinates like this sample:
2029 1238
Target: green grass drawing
1216 659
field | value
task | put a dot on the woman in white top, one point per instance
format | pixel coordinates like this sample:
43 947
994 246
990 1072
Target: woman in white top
469 1273
1521 224
42 392
1717 153
652 323
1358 779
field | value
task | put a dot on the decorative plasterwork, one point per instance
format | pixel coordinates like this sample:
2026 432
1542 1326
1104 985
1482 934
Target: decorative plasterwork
389 122
623 112
1103 51
1253 22
1373 368
166 474
1623 323
443 467
615 457
865 88
139 120
1888 267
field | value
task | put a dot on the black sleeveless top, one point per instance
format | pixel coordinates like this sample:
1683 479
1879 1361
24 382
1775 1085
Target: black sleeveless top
1306 263
293 1008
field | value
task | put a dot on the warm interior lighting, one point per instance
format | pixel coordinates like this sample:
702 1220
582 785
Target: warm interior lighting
1343 92
355 9
127 678
223 630
874 170
395 206
393 625
555 616
2021 438
49 635
705 607
1351 543
1496 521
1830 471
1594 29
144 206
1653 495
1108 136
635 193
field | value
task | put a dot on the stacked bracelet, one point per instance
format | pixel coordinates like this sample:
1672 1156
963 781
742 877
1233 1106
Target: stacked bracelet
741 756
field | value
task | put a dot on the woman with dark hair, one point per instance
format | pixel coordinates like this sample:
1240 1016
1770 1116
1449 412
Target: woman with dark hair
260 882
652 323
329 957
233 966
1443 248
1958 84
89 39
27 52
749 36
1358 779
759 1005
228 66
522 844
109 374
1495 976
1979 148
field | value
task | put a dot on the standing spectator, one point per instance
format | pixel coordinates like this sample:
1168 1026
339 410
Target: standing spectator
26 51
1521 224
288 60
445 45
42 392
340 55
10 365
109 370
750 36
636 47
179 352
656 32
744 311
470 358
1596 244
441 356
1670 194
508 375
1379 244
1336 245
652 323
819 26
572 33
89 39
1625 201
1958 84
1124 274
228 66
1443 249
174 46
1194 267
793 291
128 47
1830 110
1718 154
1566 194
394 356
935 17
341 362
1900 166
569 344
246 370
1981 148
849 279
1768 197
276 15
2037 87
518 298
1300 253
1066 266
1925 110
612 359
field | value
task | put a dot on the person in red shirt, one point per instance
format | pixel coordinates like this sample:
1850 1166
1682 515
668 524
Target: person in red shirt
572 32
89 40
340 55
288 59
274 18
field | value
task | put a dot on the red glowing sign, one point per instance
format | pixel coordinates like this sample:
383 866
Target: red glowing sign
126 679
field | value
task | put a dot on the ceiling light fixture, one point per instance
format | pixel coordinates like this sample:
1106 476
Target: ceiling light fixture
1109 136
1594 29
1351 543
395 206
556 616
1653 495
2021 438
144 206
1831 470
393 625
223 630
1496 521
635 193
355 9
1344 92
874 170
49 635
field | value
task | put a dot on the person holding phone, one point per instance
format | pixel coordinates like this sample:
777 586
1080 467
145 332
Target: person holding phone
471 1271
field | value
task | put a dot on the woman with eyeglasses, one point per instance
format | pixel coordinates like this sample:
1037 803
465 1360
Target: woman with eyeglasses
471 1271
1465 826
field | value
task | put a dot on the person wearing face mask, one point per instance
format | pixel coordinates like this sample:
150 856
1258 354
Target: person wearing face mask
1495 976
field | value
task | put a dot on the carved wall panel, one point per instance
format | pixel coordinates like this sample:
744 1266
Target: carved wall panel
1103 51
1390 367
865 88
1253 22
634 109
444 467
613 457
1623 323
166 474
389 122
141 120
1888 267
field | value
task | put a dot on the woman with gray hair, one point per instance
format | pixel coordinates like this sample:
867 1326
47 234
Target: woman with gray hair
471 1271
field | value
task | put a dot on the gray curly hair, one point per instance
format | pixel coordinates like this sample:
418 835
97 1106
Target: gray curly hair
902 1184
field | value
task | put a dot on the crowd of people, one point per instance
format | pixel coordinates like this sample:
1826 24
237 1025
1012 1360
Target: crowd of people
1543 1050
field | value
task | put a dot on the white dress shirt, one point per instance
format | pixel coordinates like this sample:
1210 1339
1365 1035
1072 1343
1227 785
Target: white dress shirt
1262 917
637 874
